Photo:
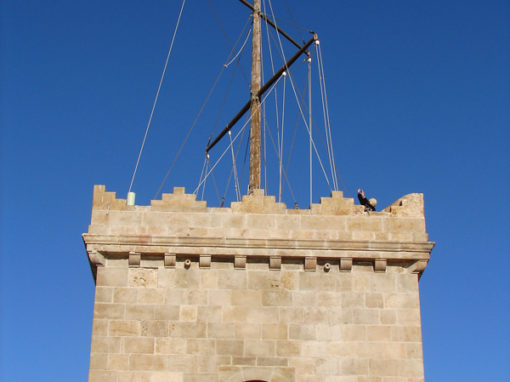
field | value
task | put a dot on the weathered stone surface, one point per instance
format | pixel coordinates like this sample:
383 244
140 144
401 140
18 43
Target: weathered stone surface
255 302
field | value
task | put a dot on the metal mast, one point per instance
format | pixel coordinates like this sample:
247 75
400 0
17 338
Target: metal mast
255 101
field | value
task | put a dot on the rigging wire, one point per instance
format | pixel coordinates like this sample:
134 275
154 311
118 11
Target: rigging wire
325 111
262 101
280 143
335 170
240 50
310 124
220 24
202 107
234 166
285 171
157 95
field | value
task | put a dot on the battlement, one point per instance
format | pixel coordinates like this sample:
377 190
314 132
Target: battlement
259 228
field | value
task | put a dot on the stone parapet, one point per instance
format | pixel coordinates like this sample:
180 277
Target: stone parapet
258 227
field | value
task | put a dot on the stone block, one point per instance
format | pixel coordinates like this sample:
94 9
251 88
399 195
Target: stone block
98 361
111 277
124 328
243 331
111 311
383 367
188 313
272 361
154 328
209 314
151 296
250 315
201 346
365 316
139 312
353 333
261 280
184 363
167 345
401 300
247 297
187 329
208 280
103 294
125 295
378 333
406 334
167 312
244 361
302 332
187 278
231 280
195 297
100 327
275 331
142 278
388 317
230 347
373 300
105 344
118 362
276 298
260 348
139 345
220 330
102 376
147 362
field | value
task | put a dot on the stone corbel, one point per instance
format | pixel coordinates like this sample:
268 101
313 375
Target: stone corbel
205 261
96 258
239 262
310 263
275 263
170 259
418 266
346 264
380 265
134 259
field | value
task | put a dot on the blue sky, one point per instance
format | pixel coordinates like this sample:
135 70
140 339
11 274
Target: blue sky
419 99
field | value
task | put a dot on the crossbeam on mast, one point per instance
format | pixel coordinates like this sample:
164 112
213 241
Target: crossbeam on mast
261 92
270 22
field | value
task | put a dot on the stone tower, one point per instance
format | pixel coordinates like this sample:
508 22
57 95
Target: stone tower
256 291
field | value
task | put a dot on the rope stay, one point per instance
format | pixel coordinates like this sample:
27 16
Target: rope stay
234 166
262 101
325 109
310 124
156 97
195 121
240 50
299 104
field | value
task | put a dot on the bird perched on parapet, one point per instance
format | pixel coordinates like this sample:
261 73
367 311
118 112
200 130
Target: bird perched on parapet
369 204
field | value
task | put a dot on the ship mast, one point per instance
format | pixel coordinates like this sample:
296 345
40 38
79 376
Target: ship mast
255 112
256 91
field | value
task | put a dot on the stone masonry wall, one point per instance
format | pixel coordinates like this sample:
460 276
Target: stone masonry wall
255 291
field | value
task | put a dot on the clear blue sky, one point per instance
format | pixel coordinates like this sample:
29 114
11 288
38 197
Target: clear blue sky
419 98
